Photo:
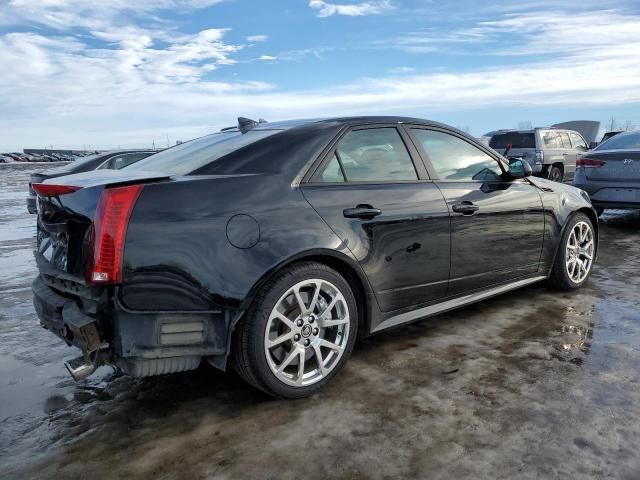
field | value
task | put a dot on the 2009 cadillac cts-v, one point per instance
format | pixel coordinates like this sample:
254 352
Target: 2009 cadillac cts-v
272 248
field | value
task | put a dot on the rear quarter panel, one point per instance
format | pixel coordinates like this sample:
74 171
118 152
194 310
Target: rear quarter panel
178 255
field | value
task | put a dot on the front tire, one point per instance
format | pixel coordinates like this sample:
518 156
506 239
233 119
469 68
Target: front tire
576 254
298 333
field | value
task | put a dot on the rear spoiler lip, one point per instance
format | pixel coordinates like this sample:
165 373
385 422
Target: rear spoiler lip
106 178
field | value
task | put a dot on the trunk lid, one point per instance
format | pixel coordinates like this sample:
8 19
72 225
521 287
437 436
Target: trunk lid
64 226
619 166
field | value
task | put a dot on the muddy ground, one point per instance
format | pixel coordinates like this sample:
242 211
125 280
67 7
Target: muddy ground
533 384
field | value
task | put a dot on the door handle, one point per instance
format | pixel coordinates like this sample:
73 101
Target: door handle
465 208
364 212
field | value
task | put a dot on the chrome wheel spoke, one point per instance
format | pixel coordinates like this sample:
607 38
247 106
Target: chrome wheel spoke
302 356
301 304
285 363
280 339
332 346
327 310
334 322
319 360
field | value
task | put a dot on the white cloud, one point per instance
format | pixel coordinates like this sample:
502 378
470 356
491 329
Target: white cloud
147 83
401 70
372 7
257 38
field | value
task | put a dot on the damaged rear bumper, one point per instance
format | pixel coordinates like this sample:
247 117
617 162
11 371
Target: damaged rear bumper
142 343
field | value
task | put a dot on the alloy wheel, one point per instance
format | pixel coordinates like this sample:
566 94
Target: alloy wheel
307 332
580 250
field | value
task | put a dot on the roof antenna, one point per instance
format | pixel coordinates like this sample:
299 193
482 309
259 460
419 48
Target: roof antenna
246 124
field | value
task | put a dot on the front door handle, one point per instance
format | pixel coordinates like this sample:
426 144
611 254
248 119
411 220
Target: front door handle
363 212
465 208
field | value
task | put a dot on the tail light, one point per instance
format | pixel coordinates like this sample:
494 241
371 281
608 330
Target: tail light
110 229
589 163
46 190
539 157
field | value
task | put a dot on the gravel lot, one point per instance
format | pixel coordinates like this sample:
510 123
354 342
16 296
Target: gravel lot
534 384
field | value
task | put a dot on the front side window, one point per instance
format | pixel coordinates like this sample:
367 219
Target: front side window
578 142
456 159
371 155
564 140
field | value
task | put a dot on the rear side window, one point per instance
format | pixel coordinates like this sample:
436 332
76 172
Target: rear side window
515 139
371 155
456 159
551 140
190 156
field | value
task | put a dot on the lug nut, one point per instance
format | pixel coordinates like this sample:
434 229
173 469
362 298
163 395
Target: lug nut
299 322
315 331
296 337
306 342
310 319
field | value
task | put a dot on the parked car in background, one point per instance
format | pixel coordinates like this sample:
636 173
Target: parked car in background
275 247
610 173
112 160
551 152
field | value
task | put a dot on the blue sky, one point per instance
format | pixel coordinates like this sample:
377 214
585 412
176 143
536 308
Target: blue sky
110 73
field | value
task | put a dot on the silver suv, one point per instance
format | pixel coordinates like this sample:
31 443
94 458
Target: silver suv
551 152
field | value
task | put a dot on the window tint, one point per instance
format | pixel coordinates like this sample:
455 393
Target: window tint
456 159
515 139
189 156
564 140
551 139
578 142
372 155
332 172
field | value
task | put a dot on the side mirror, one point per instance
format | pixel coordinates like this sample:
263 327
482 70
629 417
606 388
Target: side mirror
519 168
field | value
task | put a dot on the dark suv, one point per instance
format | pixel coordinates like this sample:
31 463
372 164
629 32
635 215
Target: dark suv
114 160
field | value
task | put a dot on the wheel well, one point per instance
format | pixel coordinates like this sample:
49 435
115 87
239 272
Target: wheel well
560 165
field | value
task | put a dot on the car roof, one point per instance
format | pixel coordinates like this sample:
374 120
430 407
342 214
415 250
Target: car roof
364 119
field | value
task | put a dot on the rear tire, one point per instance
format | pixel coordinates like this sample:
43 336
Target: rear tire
298 333
555 174
576 252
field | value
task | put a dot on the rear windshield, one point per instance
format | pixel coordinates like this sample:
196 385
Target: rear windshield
516 139
190 156
622 141
76 164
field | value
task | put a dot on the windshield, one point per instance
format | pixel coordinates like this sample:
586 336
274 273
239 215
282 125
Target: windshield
516 139
622 141
190 156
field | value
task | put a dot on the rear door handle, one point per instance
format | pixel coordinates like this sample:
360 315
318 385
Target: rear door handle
465 208
363 212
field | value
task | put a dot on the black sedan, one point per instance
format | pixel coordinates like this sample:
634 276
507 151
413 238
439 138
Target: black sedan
113 159
273 248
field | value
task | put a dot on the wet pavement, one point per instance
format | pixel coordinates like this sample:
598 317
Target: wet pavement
533 384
